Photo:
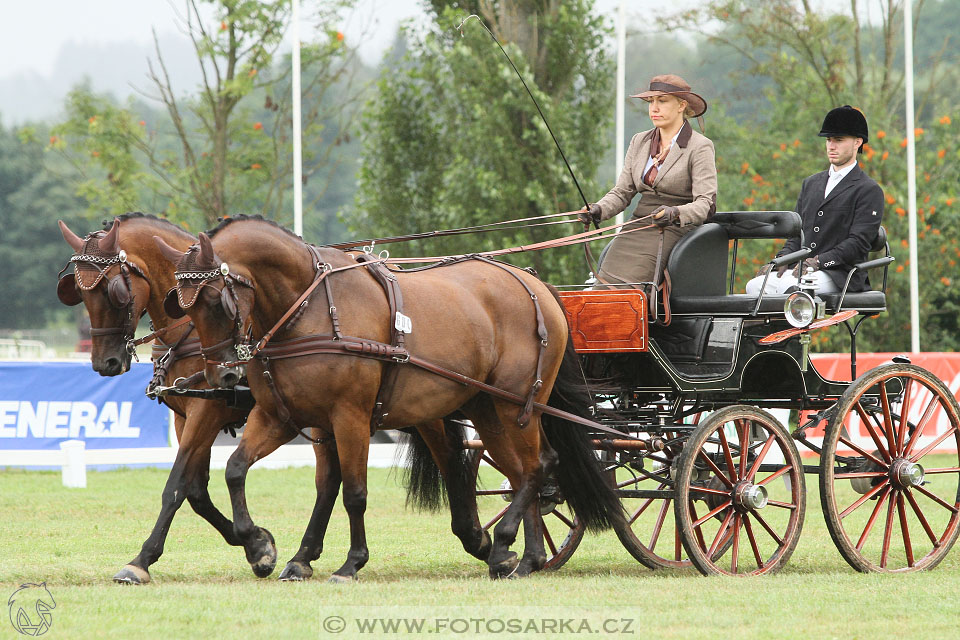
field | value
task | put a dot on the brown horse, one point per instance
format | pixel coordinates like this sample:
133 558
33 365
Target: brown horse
489 322
116 293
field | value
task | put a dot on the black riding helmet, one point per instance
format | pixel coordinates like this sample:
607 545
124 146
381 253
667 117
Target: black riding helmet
845 121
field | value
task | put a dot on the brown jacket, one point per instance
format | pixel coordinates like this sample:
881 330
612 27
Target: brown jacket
687 179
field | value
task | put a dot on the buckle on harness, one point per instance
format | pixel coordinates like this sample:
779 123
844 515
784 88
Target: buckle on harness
244 352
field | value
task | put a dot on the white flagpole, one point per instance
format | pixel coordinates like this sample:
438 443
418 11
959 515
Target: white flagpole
911 178
297 149
621 82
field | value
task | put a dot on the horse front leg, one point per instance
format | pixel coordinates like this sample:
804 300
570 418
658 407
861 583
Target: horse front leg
353 446
328 487
196 436
261 436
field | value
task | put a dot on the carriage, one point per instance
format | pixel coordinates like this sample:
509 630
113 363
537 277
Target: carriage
708 475
689 398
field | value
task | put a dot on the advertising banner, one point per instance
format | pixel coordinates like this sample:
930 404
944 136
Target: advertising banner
945 366
45 403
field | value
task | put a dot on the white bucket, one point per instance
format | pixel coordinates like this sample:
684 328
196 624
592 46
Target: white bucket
74 466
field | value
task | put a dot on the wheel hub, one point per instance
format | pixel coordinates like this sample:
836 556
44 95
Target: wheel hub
906 474
749 496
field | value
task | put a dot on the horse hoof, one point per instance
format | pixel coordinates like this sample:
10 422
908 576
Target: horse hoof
132 574
266 561
335 579
295 572
505 569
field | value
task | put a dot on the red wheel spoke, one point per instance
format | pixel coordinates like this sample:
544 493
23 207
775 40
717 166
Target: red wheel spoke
872 430
862 452
782 505
873 518
887 418
715 469
760 457
728 456
496 518
493 464
753 542
922 519
933 445
640 510
546 536
717 492
677 546
696 529
744 445
493 492
763 523
720 534
861 474
887 533
869 494
927 472
658 525
904 530
562 518
938 499
712 513
773 476
735 552
904 410
918 431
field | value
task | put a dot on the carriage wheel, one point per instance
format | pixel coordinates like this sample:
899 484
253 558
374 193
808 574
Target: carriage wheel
752 495
648 533
562 531
892 505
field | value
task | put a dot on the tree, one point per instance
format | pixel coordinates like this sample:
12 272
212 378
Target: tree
225 148
32 198
811 61
451 138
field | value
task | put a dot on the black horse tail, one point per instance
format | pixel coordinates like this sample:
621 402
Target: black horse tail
426 489
591 496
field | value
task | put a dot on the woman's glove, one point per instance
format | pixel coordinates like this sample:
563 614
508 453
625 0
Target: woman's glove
813 262
666 216
590 215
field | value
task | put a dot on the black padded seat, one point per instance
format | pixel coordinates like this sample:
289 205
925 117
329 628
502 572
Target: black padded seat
869 302
737 304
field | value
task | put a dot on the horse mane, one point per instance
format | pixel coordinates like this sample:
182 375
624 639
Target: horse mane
243 217
134 215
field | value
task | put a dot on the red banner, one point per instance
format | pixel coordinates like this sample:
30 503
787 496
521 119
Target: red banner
945 366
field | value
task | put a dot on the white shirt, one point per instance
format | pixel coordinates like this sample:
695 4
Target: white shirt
650 158
836 175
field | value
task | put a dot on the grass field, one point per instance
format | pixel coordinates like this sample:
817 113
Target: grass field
76 540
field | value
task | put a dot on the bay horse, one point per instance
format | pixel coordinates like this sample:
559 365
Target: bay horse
120 274
489 322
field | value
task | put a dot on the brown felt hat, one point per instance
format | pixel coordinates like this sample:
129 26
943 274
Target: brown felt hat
671 85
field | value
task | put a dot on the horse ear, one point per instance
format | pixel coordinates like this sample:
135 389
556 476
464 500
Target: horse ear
171 254
206 249
110 243
171 305
67 290
75 242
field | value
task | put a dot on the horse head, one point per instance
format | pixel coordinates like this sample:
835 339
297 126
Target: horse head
219 301
114 289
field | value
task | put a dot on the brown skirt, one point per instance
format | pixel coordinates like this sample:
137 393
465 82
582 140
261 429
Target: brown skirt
633 257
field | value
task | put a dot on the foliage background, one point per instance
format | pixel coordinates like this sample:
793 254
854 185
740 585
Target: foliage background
442 134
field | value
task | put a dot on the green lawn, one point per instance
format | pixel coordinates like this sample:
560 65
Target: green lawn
76 540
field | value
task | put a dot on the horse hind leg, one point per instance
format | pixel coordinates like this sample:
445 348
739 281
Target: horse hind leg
328 487
438 445
516 451
534 553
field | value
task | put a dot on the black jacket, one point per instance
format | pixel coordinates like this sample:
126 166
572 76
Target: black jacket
841 227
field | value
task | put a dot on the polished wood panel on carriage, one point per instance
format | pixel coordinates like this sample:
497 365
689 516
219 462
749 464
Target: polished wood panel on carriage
607 321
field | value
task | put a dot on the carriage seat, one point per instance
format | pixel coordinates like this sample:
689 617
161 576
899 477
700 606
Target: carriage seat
698 266
698 263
